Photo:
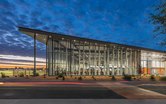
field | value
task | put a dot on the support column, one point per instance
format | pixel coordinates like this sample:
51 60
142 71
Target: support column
48 56
131 63
135 68
121 61
127 61
147 63
89 58
165 67
79 69
83 58
126 66
113 64
144 62
46 59
52 52
73 62
160 66
59 55
99 70
34 71
70 63
66 71
95 63
140 65
105 60
117 61
108 60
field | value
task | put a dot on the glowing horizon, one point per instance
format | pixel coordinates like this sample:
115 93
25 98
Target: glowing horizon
12 61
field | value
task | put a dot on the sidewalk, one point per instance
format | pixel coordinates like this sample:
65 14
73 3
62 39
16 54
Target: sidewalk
132 92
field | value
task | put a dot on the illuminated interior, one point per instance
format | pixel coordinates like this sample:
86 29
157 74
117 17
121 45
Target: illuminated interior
80 56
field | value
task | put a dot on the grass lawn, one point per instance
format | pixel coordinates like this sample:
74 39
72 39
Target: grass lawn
17 72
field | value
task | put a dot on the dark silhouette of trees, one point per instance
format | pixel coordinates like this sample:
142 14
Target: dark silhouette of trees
158 18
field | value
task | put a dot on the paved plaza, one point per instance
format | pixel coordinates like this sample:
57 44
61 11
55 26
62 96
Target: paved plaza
58 89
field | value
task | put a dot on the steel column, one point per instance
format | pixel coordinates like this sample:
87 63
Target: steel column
34 71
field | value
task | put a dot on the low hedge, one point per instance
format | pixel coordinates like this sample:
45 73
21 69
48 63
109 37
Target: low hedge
113 78
162 78
127 77
3 75
152 78
80 78
21 74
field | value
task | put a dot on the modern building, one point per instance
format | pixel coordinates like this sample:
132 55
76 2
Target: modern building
81 56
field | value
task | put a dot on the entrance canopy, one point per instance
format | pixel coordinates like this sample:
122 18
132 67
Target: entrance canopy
40 36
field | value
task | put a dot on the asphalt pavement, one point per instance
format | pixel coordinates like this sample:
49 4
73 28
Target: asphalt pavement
75 90
55 90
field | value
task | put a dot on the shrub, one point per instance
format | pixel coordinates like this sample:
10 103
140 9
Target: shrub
3 75
27 76
44 75
21 74
63 78
93 77
113 78
37 74
61 75
80 78
127 77
133 77
162 78
152 78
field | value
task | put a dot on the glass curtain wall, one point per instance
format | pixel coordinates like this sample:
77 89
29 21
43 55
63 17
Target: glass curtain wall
153 63
81 57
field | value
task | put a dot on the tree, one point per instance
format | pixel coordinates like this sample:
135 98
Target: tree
158 18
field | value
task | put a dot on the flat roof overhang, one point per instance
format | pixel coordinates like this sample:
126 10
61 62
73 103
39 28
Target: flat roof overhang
43 35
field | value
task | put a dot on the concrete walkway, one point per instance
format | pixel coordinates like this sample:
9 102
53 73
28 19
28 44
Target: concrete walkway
81 101
131 92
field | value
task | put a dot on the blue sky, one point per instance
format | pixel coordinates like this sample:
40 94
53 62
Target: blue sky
120 21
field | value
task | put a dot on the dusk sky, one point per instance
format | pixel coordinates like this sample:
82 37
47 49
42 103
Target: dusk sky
120 21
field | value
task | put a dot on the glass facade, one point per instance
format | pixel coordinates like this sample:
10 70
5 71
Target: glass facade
85 57
153 63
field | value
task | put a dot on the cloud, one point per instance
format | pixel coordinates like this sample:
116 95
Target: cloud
120 21
4 4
